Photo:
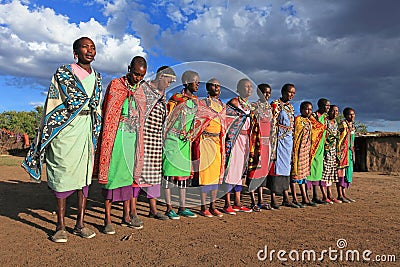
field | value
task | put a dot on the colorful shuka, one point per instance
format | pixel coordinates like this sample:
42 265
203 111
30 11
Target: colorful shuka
318 162
209 146
307 136
259 157
69 129
178 134
329 174
237 141
281 146
346 155
118 141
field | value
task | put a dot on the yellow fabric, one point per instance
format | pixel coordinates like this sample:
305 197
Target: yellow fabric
210 151
299 123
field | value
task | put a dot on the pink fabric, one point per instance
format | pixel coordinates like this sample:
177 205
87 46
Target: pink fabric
239 155
79 72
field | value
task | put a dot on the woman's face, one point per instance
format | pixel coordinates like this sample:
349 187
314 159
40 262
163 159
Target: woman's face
350 116
333 113
193 84
289 94
306 111
246 89
86 51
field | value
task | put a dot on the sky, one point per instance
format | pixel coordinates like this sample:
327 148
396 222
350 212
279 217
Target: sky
345 51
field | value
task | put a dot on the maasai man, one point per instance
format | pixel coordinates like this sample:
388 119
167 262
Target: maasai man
314 179
68 134
237 145
119 142
177 166
258 165
281 146
210 146
346 155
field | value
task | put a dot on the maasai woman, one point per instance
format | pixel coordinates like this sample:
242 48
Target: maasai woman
258 165
281 146
237 145
148 176
68 135
118 143
314 179
346 155
303 151
177 165
210 146
329 173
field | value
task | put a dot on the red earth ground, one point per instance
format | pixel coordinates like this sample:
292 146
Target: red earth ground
27 219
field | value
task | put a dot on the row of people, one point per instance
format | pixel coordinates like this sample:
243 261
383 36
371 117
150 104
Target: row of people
134 140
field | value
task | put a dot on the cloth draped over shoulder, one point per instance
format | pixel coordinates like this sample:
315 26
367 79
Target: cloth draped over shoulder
65 100
117 92
318 122
346 144
205 114
178 135
259 155
235 119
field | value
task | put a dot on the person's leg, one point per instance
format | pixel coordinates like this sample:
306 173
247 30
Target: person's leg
252 198
203 200
273 200
213 195
260 196
61 206
329 193
153 205
315 193
81 209
167 193
293 190
126 210
237 201
304 195
339 191
324 193
133 211
182 198
107 207
227 199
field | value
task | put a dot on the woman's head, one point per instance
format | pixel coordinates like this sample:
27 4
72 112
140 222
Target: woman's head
333 112
264 91
84 50
288 91
323 105
306 109
191 81
244 88
349 114
213 87
137 70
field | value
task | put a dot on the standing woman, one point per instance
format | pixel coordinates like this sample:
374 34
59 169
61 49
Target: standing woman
281 146
346 156
68 135
237 145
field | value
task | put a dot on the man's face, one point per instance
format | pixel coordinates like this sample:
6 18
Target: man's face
137 73
214 88
193 84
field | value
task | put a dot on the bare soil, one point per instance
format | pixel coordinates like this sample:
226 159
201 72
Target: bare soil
27 219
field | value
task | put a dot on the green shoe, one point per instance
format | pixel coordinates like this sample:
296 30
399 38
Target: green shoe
172 215
187 213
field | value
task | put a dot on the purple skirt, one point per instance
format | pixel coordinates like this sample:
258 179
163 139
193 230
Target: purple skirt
153 191
343 183
209 187
85 191
118 194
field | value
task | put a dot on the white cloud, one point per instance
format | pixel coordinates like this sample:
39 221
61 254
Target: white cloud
34 41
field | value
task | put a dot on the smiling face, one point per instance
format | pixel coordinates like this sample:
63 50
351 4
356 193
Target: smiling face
288 95
333 112
85 51
193 84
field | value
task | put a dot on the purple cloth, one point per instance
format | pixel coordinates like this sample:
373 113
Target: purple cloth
232 188
209 187
343 183
118 194
66 194
310 184
151 191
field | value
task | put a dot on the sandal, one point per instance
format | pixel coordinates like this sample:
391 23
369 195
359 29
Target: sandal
256 208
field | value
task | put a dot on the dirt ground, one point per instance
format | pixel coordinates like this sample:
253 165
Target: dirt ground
27 219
